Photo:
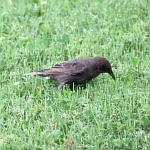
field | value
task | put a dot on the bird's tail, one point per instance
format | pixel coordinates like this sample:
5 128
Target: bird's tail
50 71
34 73
47 72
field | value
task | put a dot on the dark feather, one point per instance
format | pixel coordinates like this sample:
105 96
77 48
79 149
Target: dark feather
76 71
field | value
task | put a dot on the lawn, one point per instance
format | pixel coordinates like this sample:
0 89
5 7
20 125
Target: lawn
103 115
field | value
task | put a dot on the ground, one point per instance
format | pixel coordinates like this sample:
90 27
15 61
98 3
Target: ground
105 114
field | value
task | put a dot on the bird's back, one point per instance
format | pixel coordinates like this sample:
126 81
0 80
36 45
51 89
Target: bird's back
80 71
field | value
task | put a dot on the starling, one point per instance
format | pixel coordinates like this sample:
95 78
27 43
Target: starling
76 71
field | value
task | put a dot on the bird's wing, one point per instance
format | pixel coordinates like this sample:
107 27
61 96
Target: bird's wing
64 68
70 68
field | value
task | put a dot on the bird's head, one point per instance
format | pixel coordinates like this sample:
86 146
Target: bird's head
104 66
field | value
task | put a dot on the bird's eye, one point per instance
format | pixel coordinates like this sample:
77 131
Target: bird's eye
103 67
108 69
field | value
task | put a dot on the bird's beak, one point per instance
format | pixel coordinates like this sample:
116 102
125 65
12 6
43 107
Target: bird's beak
112 74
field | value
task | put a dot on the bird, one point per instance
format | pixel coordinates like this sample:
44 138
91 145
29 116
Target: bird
76 71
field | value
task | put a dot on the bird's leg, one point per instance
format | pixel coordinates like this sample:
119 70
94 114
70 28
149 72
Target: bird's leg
71 86
60 86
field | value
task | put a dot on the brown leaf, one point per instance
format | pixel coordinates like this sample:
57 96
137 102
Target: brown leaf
70 143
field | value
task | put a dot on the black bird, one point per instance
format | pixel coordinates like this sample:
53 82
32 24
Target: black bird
76 71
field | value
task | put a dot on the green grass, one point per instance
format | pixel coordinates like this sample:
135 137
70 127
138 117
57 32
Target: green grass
106 115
